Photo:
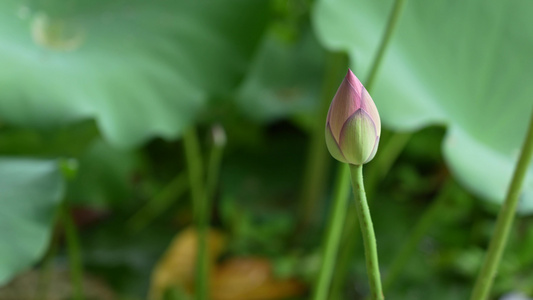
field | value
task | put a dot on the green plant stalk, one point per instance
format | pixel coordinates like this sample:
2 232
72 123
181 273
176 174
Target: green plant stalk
333 235
504 222
350 238
213 169
392 151
159 203
318 160
367 230
195 169
392 22
415 237
381 165
74 253
213 172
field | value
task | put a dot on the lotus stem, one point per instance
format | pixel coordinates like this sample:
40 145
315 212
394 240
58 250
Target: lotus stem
393 19
333 235
367 230
196 173
74 253
504 222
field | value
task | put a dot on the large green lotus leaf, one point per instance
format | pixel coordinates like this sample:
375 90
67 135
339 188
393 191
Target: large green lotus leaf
140 68
30 191
473 163
464 64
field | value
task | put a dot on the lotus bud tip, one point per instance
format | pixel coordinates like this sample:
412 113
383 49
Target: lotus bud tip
353 125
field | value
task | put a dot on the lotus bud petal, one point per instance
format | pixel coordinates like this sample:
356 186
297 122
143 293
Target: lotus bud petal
353 126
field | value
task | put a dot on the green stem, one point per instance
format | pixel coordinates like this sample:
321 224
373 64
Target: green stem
398 142
195 168
215 159
74 253
367 230
350 238
380 167
421 228
333 235
505 220
318 160
392 22
213 169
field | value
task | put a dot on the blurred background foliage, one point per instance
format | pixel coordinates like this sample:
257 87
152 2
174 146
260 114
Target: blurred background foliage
95 97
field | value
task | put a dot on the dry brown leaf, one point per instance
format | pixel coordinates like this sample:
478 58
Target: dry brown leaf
234 279
176 267
251 279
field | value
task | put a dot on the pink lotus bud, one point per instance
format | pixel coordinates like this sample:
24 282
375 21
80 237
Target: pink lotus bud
353 126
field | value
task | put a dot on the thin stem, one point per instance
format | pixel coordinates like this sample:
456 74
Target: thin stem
195 168
159 203
392 22
505 220
415 237
74 253
215 159
333 235
350 238
213 168
367 230
393 150
398 141
380 167
318 160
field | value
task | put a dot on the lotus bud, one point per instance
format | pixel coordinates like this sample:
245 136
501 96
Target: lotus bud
353 126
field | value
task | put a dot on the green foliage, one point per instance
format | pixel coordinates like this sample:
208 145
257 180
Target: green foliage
448 64
30 192
108 87
139 68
